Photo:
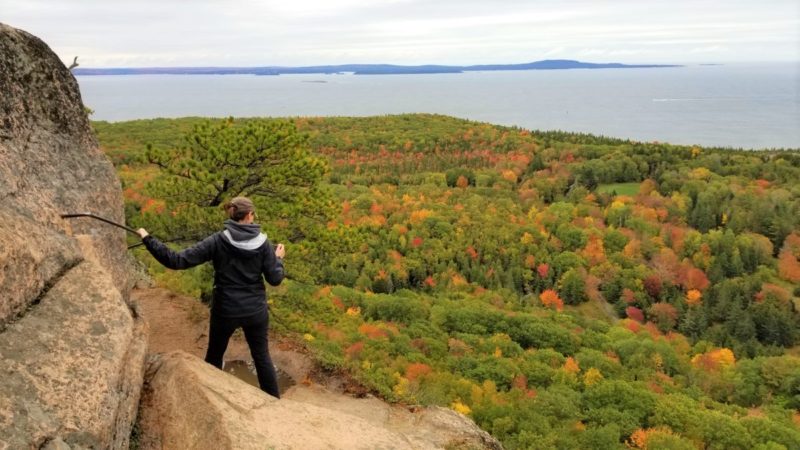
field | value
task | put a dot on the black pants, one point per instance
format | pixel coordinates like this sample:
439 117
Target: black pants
255 331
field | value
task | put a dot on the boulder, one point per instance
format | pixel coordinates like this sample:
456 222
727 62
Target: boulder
50 164
189 404
72 366
71 346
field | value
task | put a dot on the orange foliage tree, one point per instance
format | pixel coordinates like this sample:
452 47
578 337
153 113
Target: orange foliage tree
594 251
416 370
788 267
650 438
550 299
372 331
774 291
693 278
694 297
571 366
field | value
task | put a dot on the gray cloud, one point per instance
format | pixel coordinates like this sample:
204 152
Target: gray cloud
109 33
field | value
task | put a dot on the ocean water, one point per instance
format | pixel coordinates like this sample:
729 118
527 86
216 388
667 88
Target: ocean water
742 106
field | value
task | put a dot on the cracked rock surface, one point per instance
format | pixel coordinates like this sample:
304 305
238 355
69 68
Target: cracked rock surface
71 347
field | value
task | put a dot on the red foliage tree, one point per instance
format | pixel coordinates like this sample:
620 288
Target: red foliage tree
653 286
543 270
634 313
353 350
664 315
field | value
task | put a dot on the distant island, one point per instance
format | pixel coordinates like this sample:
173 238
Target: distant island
362 69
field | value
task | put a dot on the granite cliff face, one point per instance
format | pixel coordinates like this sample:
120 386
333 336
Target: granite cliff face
71 347
50 163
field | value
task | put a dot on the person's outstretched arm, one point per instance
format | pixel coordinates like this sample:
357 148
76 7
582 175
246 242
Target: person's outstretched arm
273 264
190 257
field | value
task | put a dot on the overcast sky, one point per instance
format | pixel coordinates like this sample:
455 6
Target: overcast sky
115 33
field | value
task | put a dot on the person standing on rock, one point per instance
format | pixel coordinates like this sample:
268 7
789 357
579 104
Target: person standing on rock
241 255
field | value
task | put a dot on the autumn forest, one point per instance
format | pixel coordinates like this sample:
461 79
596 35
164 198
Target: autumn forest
562 290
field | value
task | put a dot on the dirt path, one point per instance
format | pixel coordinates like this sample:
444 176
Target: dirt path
179 322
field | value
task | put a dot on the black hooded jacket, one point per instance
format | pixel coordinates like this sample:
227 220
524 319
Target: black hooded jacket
241 255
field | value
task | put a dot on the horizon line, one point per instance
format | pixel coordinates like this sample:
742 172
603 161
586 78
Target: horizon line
283 66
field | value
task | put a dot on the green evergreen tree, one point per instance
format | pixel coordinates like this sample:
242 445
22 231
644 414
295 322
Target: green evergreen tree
774 324
703 215
268 161
740 325
693 323
573 287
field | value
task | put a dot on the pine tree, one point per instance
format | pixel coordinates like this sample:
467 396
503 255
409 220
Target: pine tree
740 325
703 215
573 287
268 161
694 323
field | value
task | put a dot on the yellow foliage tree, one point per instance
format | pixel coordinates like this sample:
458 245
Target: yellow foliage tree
509 175
714 360
459 407
700 173
418 216
592 376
